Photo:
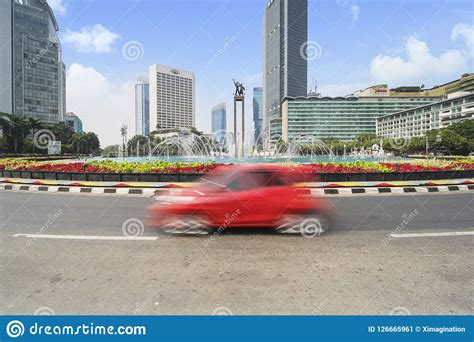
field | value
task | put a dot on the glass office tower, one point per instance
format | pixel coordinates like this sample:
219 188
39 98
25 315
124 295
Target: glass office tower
285 64
258 114
142 108
219 122
33 81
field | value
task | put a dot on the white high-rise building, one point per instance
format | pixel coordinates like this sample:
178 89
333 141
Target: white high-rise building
172 98
142 108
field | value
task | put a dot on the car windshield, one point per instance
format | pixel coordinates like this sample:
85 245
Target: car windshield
256 179
216 180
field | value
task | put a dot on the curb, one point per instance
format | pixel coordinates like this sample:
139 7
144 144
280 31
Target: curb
149 192
80 190
161 185
391 190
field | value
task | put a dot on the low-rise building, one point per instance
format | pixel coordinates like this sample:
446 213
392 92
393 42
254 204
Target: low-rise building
465 83
343 118
73 121
417 121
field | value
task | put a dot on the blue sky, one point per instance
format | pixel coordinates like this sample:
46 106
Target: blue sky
356 44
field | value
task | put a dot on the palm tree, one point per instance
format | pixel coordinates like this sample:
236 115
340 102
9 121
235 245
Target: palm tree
34 125
78 141
93 143
62 132
15 128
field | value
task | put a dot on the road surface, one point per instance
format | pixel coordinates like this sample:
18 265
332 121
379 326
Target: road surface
386 254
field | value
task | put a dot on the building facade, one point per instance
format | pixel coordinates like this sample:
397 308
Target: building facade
258 115
32 74
219 123
142 108
73 121
285 65
343 118
172 98
417 121
465 84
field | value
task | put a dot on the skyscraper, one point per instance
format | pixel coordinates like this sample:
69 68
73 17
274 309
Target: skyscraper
258 114
32 74
285 35
172 100
142 108
219 122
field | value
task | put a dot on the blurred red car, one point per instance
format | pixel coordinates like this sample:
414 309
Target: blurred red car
242 196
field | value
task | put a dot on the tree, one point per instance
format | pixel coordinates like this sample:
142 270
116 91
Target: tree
93 143
366 139
34 125
15 128
85 143
111 150
194 130
463 128
78 141
62 132
137 141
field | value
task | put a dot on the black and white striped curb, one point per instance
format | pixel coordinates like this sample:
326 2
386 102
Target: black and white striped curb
81 190
391 190
148 192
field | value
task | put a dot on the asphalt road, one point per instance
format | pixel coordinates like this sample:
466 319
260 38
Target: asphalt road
357 268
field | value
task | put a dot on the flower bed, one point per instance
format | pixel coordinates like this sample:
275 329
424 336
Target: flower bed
165 167
108 166
384 167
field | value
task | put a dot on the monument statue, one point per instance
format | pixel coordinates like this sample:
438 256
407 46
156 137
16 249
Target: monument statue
239 96
239 88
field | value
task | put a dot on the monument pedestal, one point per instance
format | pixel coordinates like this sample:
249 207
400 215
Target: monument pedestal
242 100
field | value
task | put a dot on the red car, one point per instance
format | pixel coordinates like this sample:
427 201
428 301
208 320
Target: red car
243 196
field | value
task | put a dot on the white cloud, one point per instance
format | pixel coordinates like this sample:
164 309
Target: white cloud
102 105
355 11
465 31
420 65
95 38
58 6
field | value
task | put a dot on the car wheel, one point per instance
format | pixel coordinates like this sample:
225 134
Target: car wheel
309 226
189 225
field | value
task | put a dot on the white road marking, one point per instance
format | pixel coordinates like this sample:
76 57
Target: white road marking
432 234
87 237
